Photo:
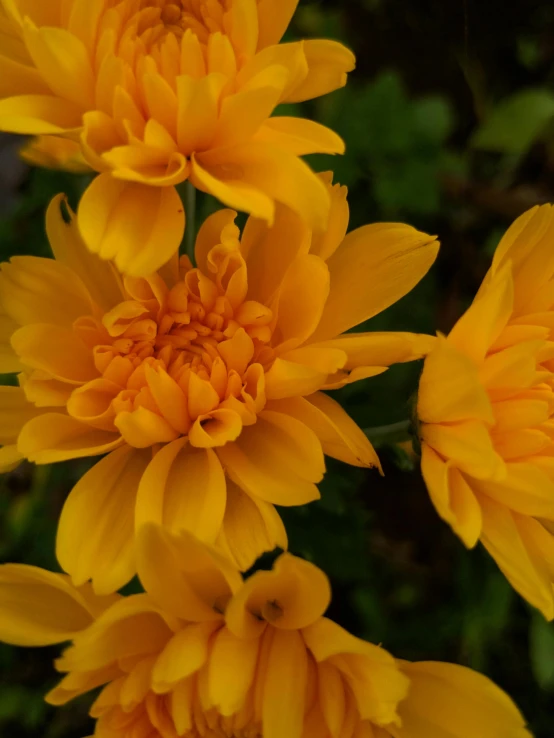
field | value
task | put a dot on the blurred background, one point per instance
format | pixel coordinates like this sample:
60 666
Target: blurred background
449 124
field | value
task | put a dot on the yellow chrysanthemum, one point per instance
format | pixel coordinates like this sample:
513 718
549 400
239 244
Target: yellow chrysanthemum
204 654
160 91
202 385
486 406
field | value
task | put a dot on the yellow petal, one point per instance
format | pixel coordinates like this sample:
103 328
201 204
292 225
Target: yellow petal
38 114
526 489
9 363
376 682
15 411
63 62
273 20
36 290
276 461
250 528
293 595
100 277
183 488
143 428
285 686
273 172
218 228
55 437
526 571
38 608
184 655
291 379
453 498
380 349
468 446
447 699
232 669
278 246
328 65
300 301
450 388
138 226
96 530
185 577
300 136
482 323
17 78
390 257
56 350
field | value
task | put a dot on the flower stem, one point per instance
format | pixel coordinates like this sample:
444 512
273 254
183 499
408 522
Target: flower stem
190 212
392 433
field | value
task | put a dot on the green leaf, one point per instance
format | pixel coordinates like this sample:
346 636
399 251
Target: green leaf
541 646
516 123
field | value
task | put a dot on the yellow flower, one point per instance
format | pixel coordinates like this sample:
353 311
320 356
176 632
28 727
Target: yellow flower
202 385
203 653
486 405
160 91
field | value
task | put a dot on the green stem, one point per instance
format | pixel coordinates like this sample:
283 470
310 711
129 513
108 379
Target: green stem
389 433
190 212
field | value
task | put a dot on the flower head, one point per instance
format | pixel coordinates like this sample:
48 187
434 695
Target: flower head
156 92
203 385
486 408
203 653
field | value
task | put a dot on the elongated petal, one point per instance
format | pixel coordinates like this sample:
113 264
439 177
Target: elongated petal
185 577
300 136
451 700
96 530
15 411
63 61
526 571
468 446
339 435
56 437
250 528
374 267
453 498
285 686
232 669
273 20
100 277
36 290
184 655
38 607
328 65
273 172
38 114
183 488
138 226
450 388
380 349
267 464
526 489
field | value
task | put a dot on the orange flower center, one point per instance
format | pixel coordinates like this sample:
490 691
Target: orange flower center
186 360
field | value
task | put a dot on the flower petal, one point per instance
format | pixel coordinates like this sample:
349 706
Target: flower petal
328 65
96 530
273 20
250 528
185 577
38 607
285 686
38 114
274 173
138 226
232 669
56 437
183 488
374 267
447 699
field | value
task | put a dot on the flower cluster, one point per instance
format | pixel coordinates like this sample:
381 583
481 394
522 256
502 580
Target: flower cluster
204 653
201 381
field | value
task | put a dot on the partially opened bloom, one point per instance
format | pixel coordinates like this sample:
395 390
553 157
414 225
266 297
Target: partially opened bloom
202 385
156 92
486 406
203 653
